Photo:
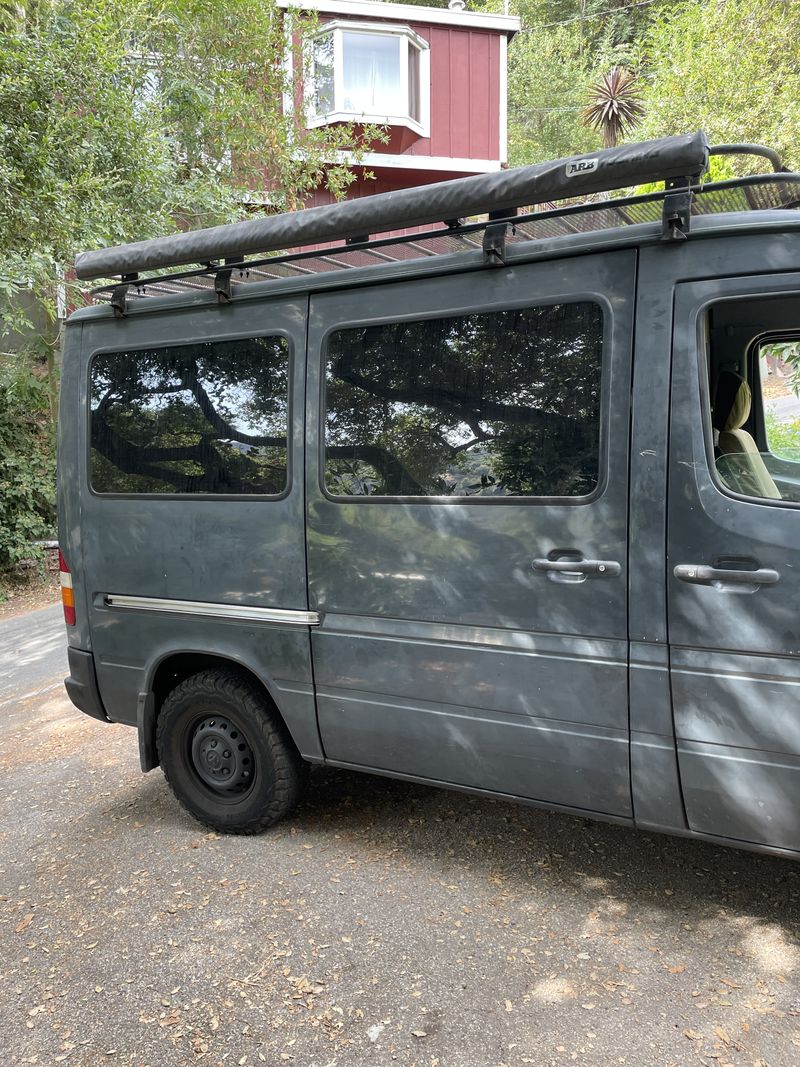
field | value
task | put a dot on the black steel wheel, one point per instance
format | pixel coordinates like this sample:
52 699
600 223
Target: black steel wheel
226 755
221 755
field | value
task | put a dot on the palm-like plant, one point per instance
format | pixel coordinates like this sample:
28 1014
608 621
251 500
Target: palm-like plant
616 105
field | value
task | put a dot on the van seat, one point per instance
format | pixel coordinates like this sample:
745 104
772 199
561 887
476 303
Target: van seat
732 404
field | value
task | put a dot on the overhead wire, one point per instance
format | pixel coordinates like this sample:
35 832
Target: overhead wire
590 15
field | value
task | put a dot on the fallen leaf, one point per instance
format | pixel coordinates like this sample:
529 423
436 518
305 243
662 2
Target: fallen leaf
509 1006
419 1033
693 1035
24 922
678 970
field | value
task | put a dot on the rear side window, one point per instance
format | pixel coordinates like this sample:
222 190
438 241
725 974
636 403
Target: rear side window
207 418
496 404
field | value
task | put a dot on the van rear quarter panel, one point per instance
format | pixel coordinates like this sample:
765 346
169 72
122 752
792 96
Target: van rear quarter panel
245 551
70 473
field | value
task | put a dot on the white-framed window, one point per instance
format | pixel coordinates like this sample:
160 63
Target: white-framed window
368 72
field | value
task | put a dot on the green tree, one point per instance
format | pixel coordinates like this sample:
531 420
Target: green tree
564 47
225 82
126 119
27 490
121 121
728 67
548 84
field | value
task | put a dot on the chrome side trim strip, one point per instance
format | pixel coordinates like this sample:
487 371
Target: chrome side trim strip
281 616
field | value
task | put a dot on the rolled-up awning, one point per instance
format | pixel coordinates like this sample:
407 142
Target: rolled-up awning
612 168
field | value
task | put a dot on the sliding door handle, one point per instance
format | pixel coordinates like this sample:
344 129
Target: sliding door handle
700 574
598 568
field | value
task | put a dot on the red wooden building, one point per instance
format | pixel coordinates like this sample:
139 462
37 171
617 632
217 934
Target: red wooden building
436 77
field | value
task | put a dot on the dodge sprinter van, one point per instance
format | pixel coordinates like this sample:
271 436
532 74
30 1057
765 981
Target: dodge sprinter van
508 503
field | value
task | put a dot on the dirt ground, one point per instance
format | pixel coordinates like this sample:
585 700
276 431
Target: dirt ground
31 589
383 923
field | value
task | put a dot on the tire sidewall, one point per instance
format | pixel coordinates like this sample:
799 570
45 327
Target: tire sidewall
177 721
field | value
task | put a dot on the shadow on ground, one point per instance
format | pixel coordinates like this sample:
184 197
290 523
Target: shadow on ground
522 848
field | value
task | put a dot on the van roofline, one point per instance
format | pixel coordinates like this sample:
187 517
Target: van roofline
567 245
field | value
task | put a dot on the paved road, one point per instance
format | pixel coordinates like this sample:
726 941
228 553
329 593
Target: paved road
33 653
786 407
385 923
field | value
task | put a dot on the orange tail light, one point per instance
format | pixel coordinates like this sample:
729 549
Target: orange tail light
67 593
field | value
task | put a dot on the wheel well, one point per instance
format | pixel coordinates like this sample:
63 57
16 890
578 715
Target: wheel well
176 669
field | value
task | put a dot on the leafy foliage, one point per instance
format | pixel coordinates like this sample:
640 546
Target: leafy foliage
126 119
121 121
718 65
75 155
783 436
564 47
548 85
27 475
725 66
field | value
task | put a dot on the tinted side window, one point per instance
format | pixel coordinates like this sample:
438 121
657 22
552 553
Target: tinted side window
200 418
503 403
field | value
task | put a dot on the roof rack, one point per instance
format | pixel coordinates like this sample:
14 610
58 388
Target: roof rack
613 168
225 252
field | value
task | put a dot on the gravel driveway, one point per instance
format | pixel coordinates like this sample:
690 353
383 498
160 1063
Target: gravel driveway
385 923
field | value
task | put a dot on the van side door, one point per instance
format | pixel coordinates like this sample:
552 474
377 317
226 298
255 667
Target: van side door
467 528
733 567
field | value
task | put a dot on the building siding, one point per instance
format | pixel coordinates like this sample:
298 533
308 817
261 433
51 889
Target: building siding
465 96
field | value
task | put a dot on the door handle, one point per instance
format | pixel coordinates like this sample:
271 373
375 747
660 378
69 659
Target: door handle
700 574
598 568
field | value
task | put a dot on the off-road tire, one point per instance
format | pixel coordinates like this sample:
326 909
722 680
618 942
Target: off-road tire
202 703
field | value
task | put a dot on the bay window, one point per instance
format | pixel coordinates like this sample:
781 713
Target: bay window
368 72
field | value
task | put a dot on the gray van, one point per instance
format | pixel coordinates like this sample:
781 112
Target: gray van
509 505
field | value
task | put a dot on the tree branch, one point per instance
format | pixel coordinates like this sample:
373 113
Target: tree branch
213 418
130 459
396 478
469 410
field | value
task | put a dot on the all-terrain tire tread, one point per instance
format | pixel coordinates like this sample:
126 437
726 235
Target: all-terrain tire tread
289 770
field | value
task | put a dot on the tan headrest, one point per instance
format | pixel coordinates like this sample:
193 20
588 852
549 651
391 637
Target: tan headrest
732 402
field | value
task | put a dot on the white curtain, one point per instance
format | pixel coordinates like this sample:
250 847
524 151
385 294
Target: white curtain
372 74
